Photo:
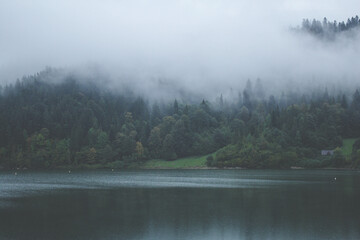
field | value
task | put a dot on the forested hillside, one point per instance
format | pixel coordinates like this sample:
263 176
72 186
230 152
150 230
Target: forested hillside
47 124
330 30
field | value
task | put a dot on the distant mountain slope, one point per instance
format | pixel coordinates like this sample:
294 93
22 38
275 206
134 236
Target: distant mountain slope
330 30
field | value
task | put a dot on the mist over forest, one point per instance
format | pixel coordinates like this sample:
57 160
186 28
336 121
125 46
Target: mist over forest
118 83
326 30
167 47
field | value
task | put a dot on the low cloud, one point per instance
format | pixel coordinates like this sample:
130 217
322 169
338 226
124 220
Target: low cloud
206 47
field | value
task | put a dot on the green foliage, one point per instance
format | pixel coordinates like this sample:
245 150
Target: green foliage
356 159
237 128
347 146
168 151
62 153
155 142
47 125
314 163
338 159
188 162
210 160
355 155
355 145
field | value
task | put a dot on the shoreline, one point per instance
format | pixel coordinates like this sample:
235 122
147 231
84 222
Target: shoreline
71 168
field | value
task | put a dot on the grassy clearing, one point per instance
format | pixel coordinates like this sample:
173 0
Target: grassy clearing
188 162
347 146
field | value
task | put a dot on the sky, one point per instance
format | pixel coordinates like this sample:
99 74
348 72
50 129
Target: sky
197 45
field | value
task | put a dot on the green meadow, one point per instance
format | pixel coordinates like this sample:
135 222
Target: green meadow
188 162
347 146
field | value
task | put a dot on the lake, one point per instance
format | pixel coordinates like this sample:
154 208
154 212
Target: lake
180 204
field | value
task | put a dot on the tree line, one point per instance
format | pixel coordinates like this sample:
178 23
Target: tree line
73 123
327 29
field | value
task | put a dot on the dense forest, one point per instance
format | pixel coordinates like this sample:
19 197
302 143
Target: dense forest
329 30
47 124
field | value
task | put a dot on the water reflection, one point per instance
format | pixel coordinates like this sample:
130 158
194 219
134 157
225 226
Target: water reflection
181 205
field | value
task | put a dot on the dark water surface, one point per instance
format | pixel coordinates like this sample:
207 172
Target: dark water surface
180 204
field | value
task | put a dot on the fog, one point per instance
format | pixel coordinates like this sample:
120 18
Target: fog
161 47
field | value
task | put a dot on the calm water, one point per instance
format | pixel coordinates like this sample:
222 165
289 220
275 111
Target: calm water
180 204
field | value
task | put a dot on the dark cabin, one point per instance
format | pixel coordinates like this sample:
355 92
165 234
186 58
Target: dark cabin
327 152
